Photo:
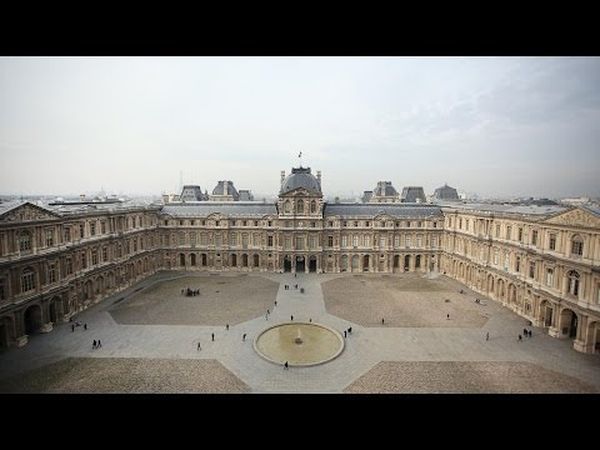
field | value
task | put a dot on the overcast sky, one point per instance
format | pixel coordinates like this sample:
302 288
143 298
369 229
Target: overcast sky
491 126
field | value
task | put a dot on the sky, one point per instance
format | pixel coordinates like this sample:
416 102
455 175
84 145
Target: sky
495 127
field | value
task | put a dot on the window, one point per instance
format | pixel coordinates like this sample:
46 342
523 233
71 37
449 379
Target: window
94 257
330 241
355 223
52 273
287 206
233 239
577 246
550 277
103 227
508 231
382 242
288 243
312 242
419 241
119 251
193 239
27 280
67 234
243 223
396 241
203 239
270 241
497 230
135 245
434 242
313 224
2 294
69 266
355 240
407 224
573 283
344 241
518 264
434 224
552 244
217 223
104 254
25 241
495 257
368 224
534 235
419 224
300 207
218 240
506 261
49 238
313 207
407 241
460 223
520 235
367 241
299 243
81 230
244 240
92 228
83 260
532 269
269 223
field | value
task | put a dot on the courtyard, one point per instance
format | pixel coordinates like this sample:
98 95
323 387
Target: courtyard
156 340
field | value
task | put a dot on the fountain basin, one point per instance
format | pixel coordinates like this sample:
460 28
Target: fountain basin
299 343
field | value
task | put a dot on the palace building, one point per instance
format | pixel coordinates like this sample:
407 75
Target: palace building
540 261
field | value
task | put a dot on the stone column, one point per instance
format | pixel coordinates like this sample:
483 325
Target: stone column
579 344
21 338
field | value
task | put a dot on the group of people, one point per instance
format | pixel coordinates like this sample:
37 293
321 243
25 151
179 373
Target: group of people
78 324
526 333
190 292
347 332
287 287
96 344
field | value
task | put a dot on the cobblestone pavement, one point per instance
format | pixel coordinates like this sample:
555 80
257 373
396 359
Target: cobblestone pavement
465 377
459 340
129 375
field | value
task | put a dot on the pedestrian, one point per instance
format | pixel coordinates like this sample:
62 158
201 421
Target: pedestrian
212 335
85 326
275 302
345 334
99 344
73 328
292 318
296 286
382 321
310 320
94 344
244 337
529 333
182 291
198 348
268 312
350 330
227 327
447 316
295 275
520 338
285 366
487 336
525 331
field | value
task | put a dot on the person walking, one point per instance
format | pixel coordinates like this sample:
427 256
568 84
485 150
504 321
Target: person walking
227 327
447 316
275 302
525 331
199 347
244 337
487 336
310 320
292 318
94 344
212 336
72 328
345 334
268 311
285 366
85 326
520 338
382 321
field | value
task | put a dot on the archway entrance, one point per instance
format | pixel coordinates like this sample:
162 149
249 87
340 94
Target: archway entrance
312 264
396 262
366 260
233 260
407 263
344 263
417 262
182 260
354 263
568 323
300 264
256 260
54 309
287 264
33 319
6 332
193 256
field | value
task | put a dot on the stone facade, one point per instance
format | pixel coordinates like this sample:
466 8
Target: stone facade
544 266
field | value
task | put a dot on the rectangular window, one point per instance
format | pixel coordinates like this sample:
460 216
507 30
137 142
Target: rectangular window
344 241
233 239
2 294
550 277
552 244
497 230
27 282
94 257
245 240
67 234
518 264
520 235
532 270
218 240
52 273
382 242
181 239
193 239
434 242
495 257
92 228
49 238
299 243
83 260
312 242
534 235
355 240
81 230
407 241
203 239
396 241
68 266
508 232
330 241
288 243
270 241
577 248
419 241
103 227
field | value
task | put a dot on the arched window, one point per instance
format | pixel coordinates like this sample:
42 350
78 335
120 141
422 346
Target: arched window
573 283
287 206
24 241
300 207
27 280
577 246
313 207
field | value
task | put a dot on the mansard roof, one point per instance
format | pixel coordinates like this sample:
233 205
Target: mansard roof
397 210
204 209
300 178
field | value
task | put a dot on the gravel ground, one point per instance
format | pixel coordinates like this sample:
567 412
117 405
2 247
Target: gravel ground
127 375
465 377
222 299
404 301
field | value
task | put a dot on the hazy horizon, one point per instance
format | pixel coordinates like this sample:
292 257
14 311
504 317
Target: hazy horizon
498 127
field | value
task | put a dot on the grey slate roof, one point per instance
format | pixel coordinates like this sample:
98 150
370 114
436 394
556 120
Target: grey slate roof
300 177
204 209
410 194
9 206
592 208
385 189
508 209
226 187
446 193
401 210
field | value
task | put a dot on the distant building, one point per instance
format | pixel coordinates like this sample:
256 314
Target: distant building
446 193
225 191
246 195
385 193
413 194
192 193
367 195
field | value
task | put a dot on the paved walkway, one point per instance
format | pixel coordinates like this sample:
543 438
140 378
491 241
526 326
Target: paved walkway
365 348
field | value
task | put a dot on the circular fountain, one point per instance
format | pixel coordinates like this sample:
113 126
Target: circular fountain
299 343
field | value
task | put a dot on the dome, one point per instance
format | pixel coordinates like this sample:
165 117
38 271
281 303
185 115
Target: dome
300 178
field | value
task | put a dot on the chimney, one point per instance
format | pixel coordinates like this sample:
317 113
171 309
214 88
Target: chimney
319 176
282 176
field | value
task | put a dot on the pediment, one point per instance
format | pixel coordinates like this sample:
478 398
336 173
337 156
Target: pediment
299 192
575 218
27 212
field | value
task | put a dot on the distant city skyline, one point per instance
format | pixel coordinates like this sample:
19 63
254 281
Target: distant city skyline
498 127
